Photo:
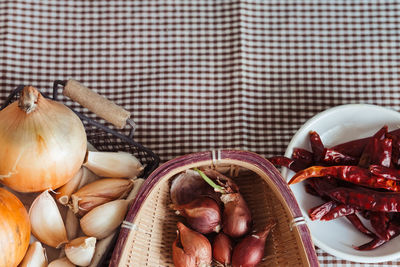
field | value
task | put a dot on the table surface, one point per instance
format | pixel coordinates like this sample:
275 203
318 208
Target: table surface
199 75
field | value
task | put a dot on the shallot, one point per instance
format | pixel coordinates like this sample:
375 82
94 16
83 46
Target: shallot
188 186
250 250
222 249
236 217
202 214
191 248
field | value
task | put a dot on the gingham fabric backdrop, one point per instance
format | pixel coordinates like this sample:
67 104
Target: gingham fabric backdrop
201 75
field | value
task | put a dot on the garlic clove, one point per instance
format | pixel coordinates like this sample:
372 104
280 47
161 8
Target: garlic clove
46 222
104 219
102 247
64 192
61 262
80 251
137 184
113 164
35 256
87 177
99 192
71 225
91 147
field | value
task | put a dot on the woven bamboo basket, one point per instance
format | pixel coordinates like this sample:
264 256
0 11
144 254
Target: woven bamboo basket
149 230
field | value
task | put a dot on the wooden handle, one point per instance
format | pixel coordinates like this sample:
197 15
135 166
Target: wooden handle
96 103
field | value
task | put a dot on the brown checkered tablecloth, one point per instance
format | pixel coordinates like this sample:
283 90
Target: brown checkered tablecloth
201 75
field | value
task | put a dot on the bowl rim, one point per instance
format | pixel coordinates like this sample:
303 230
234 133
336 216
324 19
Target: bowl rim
286 172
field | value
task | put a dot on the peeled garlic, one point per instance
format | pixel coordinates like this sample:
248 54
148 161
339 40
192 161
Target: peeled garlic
64 192
104 219
98 193
80 251
61 262
113 164
46 222
35 256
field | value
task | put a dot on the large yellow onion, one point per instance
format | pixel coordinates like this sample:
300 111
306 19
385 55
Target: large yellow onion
42 143
15 229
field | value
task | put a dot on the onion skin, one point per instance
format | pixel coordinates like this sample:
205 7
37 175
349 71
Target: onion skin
180 258
222 249
236 218
42 146
193 244
202 214
250 250
15 229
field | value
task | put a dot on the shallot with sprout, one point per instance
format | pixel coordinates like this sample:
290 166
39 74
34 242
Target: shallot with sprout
236 217
189 185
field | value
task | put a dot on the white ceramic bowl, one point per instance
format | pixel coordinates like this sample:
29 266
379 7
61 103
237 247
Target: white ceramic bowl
335 126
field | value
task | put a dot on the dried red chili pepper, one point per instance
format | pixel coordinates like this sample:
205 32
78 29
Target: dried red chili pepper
303 155
357 223
395 132
352 148
382 152
328 156
339 211
356 147
373 244
385 172
310 190
294 165
334 157
353 174
322 185
393 230
381 133
319 211
366 199
317 146
371 148
395 149
379 222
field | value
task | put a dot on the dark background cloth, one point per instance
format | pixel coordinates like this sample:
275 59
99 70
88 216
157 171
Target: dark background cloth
200 75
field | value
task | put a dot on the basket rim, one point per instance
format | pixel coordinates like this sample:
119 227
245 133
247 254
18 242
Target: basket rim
259 162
